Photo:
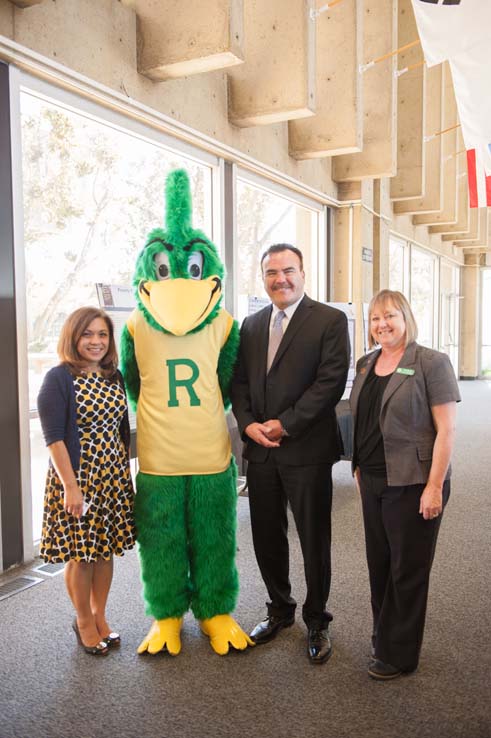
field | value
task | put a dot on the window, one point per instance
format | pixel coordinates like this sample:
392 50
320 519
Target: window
267 215
89 186
423 295
449 311
92 189
398 265
486 324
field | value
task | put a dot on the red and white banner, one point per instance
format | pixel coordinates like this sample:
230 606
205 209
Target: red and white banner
479 181
460 31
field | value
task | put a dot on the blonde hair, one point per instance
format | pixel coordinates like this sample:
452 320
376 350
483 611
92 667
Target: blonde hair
400 303
71 333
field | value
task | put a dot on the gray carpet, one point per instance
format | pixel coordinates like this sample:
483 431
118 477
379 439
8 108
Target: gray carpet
49 688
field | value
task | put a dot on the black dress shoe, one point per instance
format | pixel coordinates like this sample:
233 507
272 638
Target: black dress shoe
382 671
269 628
320 647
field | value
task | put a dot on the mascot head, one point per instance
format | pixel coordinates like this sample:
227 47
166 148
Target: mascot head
178 276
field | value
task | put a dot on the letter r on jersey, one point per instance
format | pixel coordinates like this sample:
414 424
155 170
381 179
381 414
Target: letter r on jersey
186 382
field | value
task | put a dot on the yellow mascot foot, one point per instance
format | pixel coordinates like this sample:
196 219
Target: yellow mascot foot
163 635
222 630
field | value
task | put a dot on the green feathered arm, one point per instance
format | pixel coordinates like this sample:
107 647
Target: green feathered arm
226 363
129 367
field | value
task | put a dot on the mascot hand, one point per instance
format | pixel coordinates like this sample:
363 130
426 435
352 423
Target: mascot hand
164 634
222 631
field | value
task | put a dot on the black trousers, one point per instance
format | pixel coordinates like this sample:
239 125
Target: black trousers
308 489
400 547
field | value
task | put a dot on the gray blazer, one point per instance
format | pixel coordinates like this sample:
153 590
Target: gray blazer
423 378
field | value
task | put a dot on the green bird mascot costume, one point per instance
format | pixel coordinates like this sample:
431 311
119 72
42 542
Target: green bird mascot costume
178 353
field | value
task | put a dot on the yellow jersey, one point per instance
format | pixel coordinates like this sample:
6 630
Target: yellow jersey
181 425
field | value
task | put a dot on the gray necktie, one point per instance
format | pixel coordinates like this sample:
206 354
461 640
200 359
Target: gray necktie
275 337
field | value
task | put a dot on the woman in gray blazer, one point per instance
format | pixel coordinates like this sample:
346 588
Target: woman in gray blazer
403 403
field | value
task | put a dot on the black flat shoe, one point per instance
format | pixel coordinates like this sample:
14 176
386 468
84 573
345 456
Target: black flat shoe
319 645
269 628
382 671
101 649
112 640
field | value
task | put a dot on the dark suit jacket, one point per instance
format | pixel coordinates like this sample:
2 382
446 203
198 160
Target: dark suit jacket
302 388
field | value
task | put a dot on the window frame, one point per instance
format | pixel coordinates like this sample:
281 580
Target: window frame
84 98
22 82
296 198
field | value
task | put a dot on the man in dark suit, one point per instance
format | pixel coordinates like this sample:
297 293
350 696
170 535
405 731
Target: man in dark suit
291 373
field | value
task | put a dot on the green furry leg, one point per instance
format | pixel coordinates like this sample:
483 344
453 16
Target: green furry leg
162 544
211 510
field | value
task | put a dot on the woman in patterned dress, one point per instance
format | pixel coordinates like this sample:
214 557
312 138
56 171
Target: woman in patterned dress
88 507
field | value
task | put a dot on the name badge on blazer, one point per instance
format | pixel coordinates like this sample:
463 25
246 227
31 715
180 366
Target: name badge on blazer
402 370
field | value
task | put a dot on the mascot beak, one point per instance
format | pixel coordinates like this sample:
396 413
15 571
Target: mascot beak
180 305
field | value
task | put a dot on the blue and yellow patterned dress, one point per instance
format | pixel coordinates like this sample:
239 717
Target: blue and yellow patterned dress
104 478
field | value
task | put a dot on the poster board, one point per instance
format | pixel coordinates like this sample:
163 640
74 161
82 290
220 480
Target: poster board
118 301
255 304
349 310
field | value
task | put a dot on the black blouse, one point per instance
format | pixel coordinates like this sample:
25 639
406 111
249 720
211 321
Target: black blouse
368 436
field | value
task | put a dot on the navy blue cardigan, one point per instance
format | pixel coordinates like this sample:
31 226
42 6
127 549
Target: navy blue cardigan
58 412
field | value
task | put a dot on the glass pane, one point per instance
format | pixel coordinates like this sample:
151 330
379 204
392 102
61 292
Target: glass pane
422 294
396 266
449 311
91 194
486 323
265 218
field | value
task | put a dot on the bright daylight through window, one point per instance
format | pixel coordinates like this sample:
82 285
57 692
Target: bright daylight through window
91 191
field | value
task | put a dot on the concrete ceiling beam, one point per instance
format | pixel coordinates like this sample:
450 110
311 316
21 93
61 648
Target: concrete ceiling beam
432 201
277 81
452 142
472 232
461 225
25 3
409 181
337 126
378 157
204 37
483 240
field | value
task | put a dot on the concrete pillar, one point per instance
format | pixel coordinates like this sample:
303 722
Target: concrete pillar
381 234
378 157
353 252
277 82
409 180
337 126
470 318
452 142
432 200
177 41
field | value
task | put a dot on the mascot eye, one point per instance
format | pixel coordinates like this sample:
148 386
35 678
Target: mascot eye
195 265
162 266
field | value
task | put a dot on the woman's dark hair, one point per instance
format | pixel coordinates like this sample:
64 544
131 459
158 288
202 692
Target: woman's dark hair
71 333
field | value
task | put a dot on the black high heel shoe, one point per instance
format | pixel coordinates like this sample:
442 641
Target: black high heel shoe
101 649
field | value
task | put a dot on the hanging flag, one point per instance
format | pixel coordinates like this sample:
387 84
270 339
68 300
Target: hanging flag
460 31
449 27
479 181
